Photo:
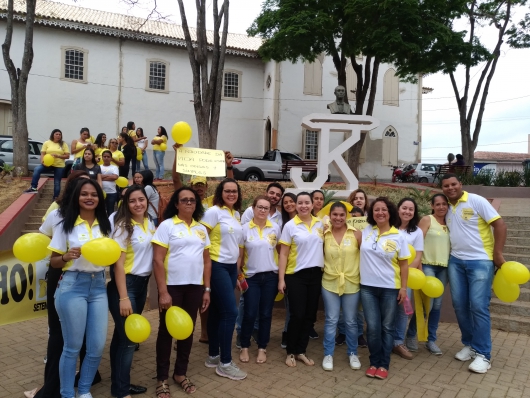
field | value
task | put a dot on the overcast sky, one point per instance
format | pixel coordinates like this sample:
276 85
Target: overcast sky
506 122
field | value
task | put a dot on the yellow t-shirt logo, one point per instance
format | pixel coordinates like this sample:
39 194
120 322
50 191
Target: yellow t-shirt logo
467 214
390 246
272 239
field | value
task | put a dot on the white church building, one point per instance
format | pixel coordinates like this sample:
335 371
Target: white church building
100 70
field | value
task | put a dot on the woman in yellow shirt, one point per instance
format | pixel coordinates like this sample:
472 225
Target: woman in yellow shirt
99 147
159 152
78 146
59 150
118 159
340 285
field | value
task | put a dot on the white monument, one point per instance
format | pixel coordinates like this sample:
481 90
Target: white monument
325 124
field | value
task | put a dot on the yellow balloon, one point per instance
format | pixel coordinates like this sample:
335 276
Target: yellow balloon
31 247
515 272
504 290
179 323
181 132
101 251
47 160
139 157
163 146
416 279
104 195
412 255
433 287
279 297
122 182
137 328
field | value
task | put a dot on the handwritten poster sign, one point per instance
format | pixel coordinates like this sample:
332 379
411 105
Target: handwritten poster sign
201 162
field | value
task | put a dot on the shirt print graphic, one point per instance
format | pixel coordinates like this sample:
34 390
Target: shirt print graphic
466 214
272 239
200 234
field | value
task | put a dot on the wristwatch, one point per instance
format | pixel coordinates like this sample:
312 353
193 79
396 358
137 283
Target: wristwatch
207 289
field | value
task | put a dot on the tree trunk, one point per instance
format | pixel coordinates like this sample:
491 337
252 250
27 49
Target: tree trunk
18 79
364 83
207 88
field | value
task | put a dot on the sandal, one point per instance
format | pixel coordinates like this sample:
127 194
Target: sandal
243 355
290 361
305 360
262 355
162 391
187 385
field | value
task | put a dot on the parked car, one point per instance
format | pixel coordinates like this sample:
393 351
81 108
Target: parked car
6 153
269 167
425 171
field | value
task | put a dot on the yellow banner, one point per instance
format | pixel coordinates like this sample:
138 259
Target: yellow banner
201 162
22 289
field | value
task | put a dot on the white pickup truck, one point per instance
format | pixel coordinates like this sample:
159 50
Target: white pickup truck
269 167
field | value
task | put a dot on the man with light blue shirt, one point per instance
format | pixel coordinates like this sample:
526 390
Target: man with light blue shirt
477 233
274 193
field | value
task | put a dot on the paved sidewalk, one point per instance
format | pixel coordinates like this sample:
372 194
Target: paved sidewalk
23 345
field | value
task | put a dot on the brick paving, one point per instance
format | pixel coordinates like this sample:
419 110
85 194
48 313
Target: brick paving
23 345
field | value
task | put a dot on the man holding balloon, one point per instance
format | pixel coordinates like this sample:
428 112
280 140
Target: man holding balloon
477 235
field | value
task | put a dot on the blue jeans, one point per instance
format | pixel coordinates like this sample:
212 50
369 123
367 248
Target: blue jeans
222 313
58 173
332 305
159 163
360 323
121 348
82 306
259 300
110 202
145 162
401 321
380 306
240 313
470 282
435 306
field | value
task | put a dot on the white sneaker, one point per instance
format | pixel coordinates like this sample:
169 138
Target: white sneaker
87 395
480 364
327 362
465 354
355 364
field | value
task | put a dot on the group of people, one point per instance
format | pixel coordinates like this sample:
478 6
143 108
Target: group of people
201 249
125 153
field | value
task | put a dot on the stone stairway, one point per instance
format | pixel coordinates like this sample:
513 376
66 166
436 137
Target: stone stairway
44 201
515 317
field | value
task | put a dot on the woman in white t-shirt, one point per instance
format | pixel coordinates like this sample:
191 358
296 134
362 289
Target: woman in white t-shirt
408 226
384 272
182 269
127 289
109 175
145 179
300 275
222 221
260 259
142 145
81 296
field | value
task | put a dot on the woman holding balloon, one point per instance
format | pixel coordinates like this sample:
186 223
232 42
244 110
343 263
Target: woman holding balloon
435 259
384 272
222 221
183 244
159 150
408 225
52 156
81 296
127 289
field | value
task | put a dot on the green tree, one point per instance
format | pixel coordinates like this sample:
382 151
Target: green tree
467 49
380 30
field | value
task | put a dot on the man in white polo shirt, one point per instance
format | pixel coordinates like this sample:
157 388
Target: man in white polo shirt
477 235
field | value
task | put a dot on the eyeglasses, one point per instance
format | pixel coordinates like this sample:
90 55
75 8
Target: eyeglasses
230 191
263 208
376 239
187 200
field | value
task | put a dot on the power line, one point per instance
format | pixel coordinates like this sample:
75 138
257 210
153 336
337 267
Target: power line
437 122
456 146
487 103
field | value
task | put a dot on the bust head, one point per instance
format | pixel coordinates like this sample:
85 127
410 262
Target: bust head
340 92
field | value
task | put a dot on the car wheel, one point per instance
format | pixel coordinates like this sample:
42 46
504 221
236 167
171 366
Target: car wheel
253 177
423 179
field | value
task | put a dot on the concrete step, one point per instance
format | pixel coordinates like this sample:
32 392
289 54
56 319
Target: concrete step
517 241
35 217
511 323
519 233
33 225
516 219
524 296
519 257
524 250
517 308
28 231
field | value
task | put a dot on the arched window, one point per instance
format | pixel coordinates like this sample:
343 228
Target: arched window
351 82
313 76
391 88
390 147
